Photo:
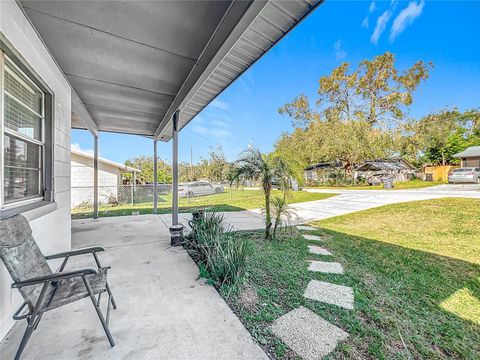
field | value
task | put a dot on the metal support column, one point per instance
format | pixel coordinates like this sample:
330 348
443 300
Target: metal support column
175 169
155 177
95 177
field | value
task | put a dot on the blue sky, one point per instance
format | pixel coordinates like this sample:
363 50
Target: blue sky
444 32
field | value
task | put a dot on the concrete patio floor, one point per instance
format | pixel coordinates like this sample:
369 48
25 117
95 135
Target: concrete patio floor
164 311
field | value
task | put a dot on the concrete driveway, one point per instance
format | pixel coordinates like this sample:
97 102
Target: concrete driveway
349 201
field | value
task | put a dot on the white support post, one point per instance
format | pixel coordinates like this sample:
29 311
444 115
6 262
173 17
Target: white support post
155 177
175 170
95 177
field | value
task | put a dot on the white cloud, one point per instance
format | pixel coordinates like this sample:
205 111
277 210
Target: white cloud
77 147
382 21
340 54
211 131
365 23
372 6
406 18
222 105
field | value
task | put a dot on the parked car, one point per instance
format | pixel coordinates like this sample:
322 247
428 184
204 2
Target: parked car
464 175
198 188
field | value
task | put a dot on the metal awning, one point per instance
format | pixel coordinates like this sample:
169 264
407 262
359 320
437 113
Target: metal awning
132 64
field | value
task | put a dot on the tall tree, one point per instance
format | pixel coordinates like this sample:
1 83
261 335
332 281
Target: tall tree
376 92
438 136
357 113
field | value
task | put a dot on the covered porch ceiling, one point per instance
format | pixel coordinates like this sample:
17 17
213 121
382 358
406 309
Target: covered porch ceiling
132 64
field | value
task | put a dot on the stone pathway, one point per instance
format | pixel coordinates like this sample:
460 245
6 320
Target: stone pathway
308 334
312 237
302 330
318 250
325 267
306 228
330 293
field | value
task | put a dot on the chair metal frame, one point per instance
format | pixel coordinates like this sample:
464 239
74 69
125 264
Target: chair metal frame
36 311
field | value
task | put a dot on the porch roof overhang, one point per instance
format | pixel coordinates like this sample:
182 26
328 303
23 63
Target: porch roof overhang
132 64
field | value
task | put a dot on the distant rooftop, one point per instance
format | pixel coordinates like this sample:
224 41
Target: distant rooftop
105 161
472 151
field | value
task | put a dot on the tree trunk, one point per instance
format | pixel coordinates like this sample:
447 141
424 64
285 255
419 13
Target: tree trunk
268 219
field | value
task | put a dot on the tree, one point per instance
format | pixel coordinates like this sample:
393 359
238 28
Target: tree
356 115
438 136
214 168
253 165
145 164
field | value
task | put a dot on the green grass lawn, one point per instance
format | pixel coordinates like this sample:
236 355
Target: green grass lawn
400 185
414 268
235 200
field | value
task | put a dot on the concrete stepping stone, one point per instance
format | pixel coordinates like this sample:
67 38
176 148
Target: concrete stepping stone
313 237
306 333
318 250
325 267
330 293
306 228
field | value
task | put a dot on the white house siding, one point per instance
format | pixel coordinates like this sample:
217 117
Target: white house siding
52 231
109 177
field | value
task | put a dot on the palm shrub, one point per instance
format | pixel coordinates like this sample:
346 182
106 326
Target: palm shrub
253 165
218 248
281 213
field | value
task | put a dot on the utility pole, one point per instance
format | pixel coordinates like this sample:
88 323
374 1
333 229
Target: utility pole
191 164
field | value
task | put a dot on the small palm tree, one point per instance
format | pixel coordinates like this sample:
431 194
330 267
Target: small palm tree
253 165
281 213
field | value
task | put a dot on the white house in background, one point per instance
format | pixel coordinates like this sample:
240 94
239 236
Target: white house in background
109 178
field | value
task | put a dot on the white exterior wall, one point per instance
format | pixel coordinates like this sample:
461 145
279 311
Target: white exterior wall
109 177
52 231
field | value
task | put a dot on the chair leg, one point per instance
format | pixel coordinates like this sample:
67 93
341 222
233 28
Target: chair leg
114 304
25 338
32 323
99 311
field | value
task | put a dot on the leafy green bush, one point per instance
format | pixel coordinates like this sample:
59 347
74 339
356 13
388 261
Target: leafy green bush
217 247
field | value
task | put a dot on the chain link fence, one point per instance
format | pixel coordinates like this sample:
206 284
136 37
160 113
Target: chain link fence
110 196
130 199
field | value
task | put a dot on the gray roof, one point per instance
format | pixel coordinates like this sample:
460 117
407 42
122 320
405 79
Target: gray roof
132 64
472 151
382 166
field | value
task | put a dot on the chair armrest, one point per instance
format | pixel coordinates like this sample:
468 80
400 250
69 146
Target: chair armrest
54 277
76 252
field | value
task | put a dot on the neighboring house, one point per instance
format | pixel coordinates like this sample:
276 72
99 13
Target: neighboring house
320 172
109 178
399 168
470 157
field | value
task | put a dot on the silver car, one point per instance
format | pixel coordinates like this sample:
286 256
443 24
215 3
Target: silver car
198 188
464 175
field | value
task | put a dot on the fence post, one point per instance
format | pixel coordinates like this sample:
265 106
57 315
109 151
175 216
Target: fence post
131 188
155 177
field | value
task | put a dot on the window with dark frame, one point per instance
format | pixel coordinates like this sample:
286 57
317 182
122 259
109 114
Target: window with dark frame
22 136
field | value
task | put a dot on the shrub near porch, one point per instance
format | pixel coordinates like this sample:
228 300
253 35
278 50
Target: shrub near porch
414 268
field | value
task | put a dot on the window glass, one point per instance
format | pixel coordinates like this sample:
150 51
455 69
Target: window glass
22 138
21 120
19 87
